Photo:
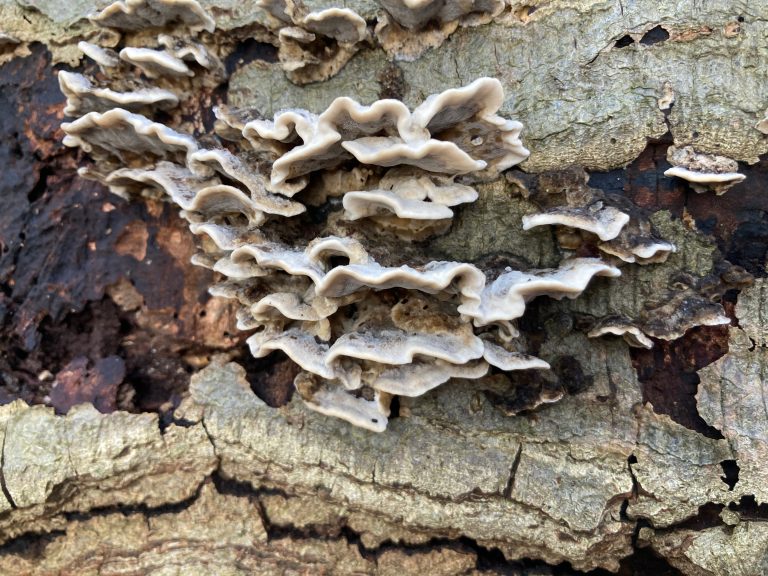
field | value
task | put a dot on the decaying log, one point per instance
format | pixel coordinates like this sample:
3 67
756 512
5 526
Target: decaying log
190 455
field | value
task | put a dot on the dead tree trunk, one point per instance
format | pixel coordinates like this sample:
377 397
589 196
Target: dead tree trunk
140 436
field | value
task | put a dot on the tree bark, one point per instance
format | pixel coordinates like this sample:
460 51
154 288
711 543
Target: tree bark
139 437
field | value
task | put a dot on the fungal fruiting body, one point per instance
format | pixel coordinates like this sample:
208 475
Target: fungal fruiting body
415 14
703 171
141 14
623 230
409 27
360 309
313 46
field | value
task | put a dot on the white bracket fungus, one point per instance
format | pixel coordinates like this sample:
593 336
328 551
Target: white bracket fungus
372 203
623 231
104 57
605 222
124 133
639 244
455 132
362 322
142 14
704 171
82 96
341 24
313 46
505 298
173 65
621 326
409 195
155 63
191 52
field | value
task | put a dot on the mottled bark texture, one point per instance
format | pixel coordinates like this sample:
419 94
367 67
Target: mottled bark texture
653 462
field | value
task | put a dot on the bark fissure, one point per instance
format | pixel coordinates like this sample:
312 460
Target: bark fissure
484 558
512 473
3 485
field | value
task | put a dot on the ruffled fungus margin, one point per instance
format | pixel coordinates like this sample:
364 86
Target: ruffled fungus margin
362 326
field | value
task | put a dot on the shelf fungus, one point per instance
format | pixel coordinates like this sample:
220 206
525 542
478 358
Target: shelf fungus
409 27
451 133
621 326
104 57
586 215
705 172
142 14
408 202
693 302
83 96
314 46
284 208
686 303
166 58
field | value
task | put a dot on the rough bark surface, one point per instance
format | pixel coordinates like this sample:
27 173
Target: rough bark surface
183 461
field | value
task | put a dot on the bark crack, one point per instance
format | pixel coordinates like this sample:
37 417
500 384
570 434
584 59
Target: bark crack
490 560
512 473
3 484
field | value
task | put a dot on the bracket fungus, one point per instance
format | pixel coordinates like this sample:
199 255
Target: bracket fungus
155 63
82 96
605 222
408 27
616 226
415 14
683 311
621 326
313 46
687 302
455 132
104 57
704 171
364 314
141 14
126 135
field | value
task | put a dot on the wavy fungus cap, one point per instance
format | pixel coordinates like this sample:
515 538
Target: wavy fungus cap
141 14
308 216
704 171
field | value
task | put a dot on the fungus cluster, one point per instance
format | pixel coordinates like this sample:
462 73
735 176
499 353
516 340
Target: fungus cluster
587 219
360 308
620 229
313 46
408 27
